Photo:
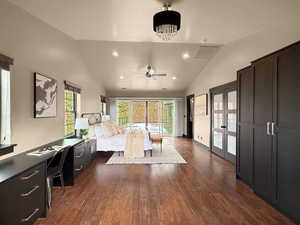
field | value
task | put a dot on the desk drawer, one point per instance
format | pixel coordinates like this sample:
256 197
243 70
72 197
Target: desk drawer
21 196
32 205
31 178
78 165
79 150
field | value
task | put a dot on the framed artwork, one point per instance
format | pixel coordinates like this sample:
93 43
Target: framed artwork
201 105
45 96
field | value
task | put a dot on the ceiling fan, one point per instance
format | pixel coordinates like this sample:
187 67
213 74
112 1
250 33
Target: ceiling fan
150 73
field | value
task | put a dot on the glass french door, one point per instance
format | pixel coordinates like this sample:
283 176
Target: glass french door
154 116
224 111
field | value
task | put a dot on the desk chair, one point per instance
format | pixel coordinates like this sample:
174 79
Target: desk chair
54 170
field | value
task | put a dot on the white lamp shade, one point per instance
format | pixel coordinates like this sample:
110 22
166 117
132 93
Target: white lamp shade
82 124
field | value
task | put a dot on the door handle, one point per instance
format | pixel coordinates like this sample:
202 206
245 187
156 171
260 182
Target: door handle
223 127
268 128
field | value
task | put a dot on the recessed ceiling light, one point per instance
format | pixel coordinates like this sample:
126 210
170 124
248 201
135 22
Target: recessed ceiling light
186 55
122 77
115 53
174 78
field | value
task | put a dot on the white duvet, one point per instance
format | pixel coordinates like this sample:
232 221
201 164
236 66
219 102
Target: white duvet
116 143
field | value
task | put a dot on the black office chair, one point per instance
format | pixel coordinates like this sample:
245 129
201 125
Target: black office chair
54 170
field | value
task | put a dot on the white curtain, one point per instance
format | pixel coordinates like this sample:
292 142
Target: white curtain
5 108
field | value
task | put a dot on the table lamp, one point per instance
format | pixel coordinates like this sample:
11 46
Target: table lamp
82 124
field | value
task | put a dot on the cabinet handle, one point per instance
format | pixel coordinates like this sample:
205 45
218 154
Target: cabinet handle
268 128
30 216
79 156
30 192
273 129
31 175
81 167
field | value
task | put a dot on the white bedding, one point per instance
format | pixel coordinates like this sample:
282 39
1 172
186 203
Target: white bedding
117 143
114 143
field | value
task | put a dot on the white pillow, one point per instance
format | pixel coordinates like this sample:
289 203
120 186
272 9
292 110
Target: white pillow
99 131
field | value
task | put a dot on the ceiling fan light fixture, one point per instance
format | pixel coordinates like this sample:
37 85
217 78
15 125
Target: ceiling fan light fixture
186 55
115 53
166 24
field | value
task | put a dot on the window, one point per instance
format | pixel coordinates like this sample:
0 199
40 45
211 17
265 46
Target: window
5 107
72 109
5 98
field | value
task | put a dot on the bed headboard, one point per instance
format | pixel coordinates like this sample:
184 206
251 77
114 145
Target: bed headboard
93 118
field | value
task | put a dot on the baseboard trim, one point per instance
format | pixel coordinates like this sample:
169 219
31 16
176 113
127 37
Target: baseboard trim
202 145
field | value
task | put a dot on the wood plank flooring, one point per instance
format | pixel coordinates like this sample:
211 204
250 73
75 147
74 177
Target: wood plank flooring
202 192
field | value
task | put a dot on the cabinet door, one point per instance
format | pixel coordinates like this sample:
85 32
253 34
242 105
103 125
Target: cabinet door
263 177
288 131
245 125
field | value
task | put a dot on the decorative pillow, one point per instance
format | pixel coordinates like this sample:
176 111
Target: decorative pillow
111 127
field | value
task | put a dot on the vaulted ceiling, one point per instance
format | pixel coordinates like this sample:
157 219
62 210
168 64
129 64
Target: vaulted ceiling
125 26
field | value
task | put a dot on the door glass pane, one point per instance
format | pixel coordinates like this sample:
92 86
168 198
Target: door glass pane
218 102
218 139
154 117
232 100
231 145
168 117
232 122
218 120
138 115
123 113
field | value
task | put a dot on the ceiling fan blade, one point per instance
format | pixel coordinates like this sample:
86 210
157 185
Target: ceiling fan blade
159 75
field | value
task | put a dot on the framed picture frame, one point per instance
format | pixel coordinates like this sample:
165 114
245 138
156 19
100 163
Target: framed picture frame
45 96
201 105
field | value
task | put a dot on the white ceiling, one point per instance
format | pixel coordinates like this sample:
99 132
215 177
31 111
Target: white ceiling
134 58
218 21
101 26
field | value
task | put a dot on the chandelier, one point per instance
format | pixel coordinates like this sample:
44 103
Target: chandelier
166 23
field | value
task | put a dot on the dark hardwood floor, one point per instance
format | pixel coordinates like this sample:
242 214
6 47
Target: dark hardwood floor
203 191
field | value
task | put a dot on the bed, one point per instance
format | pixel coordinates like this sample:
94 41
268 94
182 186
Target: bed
115 143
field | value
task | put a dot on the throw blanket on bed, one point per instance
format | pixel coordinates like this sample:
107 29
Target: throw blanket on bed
134 147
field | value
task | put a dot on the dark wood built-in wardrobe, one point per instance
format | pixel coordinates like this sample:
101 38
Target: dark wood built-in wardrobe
268 143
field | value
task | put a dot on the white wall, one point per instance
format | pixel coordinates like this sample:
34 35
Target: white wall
234 56
37 47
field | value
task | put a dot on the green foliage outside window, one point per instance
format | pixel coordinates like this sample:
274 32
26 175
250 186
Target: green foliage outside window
123 113
70 112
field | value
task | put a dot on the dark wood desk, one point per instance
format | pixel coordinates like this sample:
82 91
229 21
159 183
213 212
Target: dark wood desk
23 184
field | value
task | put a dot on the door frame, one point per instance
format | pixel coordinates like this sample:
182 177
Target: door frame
225 88
188 115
